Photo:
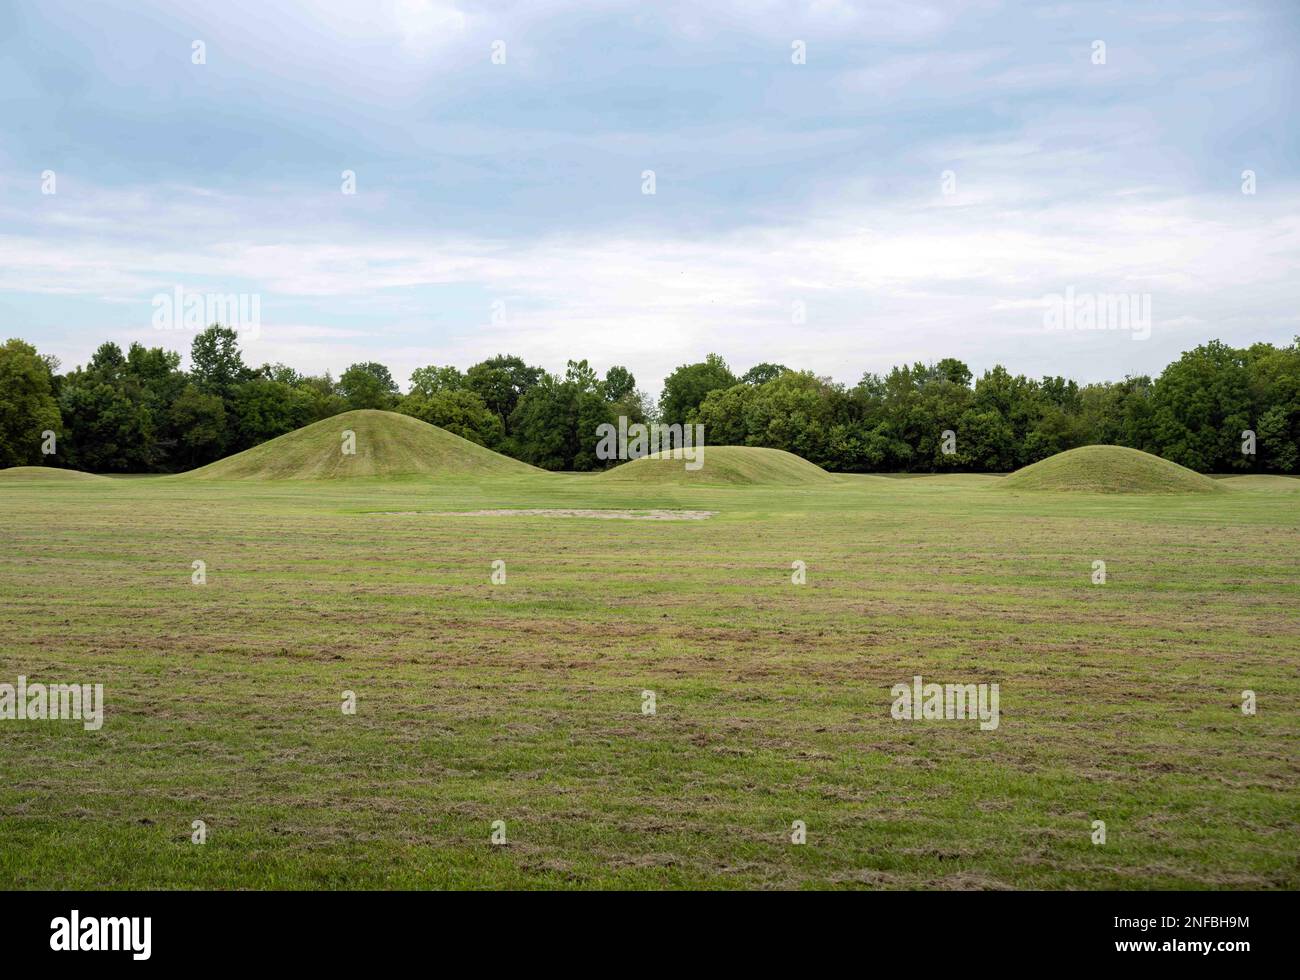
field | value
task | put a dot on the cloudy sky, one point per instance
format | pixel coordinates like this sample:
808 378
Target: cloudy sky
500 207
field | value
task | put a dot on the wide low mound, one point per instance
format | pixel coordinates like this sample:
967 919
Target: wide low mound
383 444
734 465
47 474
1108 469
1267 482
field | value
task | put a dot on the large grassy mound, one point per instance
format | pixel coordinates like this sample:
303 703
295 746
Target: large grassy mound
46 474
734 465
387 444
1108 469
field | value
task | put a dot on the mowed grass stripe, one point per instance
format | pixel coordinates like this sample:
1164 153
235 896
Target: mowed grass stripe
522 702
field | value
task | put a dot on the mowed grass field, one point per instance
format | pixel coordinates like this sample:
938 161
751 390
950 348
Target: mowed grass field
522 702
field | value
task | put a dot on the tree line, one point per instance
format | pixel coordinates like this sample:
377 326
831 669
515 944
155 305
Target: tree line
137 411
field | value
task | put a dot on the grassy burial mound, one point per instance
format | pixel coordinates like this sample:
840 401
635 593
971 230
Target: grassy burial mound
1108 469
733 465
47 474
383 444
1267 482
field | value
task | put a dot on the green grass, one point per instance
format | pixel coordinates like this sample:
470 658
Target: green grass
386 445
1108 469
46 474
1270 482
722 465
522 702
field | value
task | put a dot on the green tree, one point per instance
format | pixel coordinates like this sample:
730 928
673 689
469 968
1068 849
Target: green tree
321 393
282 373
724 413
795 412
216 362
953 371
262 409
1017 401
761 374
368 385
1118 414
986 441
582 376
138 411
1274 383
541 425
200 419
555 425
501 382
686 388
590 411
111 426
620 386
154 375
434 379
457 410
1202 403
904 415
27 405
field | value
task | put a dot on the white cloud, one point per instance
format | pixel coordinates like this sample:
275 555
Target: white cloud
883 284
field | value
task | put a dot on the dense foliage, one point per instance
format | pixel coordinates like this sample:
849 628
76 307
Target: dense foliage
139 412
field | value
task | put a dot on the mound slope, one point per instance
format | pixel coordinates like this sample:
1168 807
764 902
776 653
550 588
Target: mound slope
47 474
734 465
1108 469
1271 482
386 443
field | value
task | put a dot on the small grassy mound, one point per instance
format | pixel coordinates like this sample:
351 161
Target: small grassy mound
1108 469
47 474
729 465
1271 482
387 445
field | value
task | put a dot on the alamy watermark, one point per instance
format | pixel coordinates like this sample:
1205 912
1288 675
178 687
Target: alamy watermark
131 934
182 310
638 439
1098 311
53 702
946 702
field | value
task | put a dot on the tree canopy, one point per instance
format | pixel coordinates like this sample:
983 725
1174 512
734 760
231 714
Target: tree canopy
138 411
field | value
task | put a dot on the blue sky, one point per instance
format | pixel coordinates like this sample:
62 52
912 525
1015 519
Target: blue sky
517 187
